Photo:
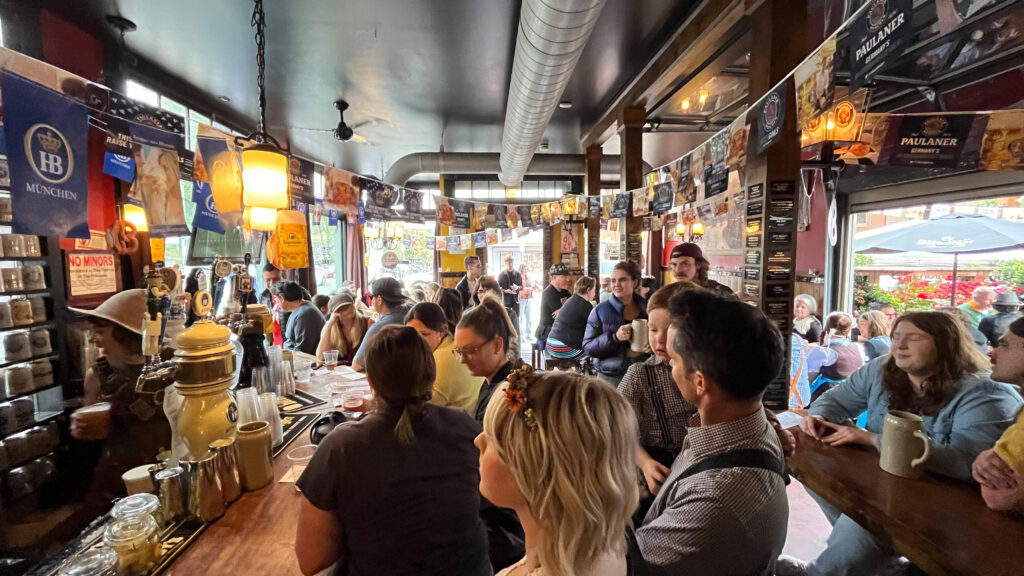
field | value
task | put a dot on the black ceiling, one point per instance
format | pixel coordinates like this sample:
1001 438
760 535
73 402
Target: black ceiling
411 69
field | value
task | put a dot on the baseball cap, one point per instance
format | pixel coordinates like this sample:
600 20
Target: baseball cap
559 270
387 288
687 249
340 300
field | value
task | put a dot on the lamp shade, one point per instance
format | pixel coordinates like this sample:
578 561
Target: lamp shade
137 216
264 177
261 218
698 228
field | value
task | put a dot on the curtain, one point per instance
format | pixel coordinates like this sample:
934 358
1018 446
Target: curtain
355 249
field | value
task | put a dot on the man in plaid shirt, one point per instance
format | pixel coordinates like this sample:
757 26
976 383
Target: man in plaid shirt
723 509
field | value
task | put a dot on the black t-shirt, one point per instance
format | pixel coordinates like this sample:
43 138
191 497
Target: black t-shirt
506 279
551 300
404 510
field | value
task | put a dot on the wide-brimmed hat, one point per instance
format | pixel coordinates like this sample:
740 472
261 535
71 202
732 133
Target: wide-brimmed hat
126 309
1006 298
340 300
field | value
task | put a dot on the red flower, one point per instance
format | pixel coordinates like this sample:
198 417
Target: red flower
515 398
949 277
923 296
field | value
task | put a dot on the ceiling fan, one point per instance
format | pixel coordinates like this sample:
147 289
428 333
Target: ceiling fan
343 132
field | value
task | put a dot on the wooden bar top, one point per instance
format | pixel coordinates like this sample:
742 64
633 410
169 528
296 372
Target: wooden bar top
256 535
939 524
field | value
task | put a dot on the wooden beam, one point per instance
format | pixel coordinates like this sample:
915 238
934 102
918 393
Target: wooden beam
696 39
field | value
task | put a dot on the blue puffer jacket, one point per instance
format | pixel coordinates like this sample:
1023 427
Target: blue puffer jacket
599 341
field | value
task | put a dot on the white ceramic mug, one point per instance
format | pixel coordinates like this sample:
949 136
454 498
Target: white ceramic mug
638 342
18 379
33 278
905 446
38 309
39 341
17 346
5 315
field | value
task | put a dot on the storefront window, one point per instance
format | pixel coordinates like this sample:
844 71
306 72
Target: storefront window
407 258
326 242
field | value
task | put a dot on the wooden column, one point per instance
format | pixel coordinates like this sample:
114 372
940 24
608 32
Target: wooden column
631 145
592 185
779 35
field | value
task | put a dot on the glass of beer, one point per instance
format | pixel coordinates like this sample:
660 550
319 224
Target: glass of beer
94 420
330 359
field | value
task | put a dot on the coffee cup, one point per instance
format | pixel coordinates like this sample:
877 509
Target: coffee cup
638 342
905 446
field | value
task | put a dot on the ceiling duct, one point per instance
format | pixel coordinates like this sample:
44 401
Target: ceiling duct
551 37
411 165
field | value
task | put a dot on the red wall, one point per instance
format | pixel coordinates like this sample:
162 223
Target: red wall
811 243
69 47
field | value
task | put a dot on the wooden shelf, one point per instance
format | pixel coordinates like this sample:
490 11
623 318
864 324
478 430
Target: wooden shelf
41 418
24 259
44 323
32 393
14 465
50 356
26 292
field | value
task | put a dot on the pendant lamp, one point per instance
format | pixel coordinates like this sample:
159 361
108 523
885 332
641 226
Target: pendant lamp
137 216
264 164
260 218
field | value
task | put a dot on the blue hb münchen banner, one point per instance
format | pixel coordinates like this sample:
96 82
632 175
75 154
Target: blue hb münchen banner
47 139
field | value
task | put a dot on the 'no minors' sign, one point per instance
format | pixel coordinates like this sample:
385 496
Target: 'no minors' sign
91 273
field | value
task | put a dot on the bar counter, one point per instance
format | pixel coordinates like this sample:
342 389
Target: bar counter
256 535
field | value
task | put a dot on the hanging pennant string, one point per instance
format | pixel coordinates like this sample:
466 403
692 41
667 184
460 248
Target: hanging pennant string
834 36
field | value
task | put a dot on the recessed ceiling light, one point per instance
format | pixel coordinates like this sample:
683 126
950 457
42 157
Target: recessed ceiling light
223 98
565 104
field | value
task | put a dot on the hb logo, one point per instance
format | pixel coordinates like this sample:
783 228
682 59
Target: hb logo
49 153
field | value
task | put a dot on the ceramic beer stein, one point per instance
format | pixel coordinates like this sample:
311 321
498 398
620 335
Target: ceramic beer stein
33 278
638 342
14 245
12 279
902 438
38 306
32 247
5 315
21 312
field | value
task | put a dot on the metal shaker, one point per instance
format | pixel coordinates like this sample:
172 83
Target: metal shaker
173 492
205 497
226 453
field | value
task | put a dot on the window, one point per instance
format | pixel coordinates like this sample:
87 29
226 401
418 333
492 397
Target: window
194 120
141 93
173 107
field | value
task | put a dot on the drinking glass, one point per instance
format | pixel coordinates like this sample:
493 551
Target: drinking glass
331 359
248 405
299 458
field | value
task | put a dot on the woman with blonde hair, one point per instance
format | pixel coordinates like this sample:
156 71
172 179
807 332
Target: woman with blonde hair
558 447
874 328
344 329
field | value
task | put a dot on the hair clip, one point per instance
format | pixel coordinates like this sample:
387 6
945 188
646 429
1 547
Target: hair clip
515 394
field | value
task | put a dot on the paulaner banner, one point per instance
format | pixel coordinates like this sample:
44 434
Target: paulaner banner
47 139
880 31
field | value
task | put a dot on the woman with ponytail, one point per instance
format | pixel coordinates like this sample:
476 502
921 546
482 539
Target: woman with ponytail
377 490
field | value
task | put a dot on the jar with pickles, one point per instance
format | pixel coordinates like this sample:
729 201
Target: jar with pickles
136 542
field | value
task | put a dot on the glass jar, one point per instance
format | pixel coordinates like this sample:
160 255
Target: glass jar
136 542
98 562
136 505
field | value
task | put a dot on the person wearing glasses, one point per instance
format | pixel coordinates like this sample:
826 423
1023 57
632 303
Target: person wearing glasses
481 343
454 386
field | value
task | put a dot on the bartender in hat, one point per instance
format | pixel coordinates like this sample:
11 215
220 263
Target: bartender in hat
135 429
689 265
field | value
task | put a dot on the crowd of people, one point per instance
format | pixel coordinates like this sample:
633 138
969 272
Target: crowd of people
667 460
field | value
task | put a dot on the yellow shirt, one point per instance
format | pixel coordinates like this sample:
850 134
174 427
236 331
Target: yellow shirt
1010 446
454 386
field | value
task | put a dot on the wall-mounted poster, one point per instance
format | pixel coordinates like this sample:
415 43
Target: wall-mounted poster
929 140
739 131
91 273
1003 146
641 202
47 142
686 193
570 247
342 190
663 196
877 33
815 84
